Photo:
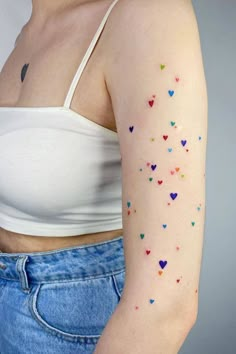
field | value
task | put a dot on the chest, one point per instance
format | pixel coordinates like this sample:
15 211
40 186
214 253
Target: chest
54 57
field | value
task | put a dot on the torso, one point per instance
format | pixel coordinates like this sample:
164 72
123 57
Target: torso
54 57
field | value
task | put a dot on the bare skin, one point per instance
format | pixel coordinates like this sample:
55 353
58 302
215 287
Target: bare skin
51 51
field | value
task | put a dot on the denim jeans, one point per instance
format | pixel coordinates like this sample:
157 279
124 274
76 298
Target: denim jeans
59 301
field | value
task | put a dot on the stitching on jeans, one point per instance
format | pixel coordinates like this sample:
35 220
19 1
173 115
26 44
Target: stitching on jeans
116 286
70 280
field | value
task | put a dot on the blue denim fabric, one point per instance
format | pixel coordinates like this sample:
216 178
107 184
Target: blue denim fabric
59 301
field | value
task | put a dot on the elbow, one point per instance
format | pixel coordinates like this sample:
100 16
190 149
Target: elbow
183 312
177 324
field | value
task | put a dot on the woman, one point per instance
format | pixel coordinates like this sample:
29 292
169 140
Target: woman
91 247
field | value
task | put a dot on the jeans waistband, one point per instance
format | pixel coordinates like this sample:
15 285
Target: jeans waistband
79 262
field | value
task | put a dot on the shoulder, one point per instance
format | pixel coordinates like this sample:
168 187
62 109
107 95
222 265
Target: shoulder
138 13
142 31
144 36
140 24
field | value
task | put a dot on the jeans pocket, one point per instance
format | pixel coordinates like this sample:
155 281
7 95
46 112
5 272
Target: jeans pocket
74 310
119 281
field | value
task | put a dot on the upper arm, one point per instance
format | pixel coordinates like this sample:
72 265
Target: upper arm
161 119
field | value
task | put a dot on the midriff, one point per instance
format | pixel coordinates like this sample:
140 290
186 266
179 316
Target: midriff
12 242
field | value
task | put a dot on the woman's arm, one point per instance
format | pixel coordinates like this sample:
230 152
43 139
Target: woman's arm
156 82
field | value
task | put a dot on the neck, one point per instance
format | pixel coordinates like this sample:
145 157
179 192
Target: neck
43 10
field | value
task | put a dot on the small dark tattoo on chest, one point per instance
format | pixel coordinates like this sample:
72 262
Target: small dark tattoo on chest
23 71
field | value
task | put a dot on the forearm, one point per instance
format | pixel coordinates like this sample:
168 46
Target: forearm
129 331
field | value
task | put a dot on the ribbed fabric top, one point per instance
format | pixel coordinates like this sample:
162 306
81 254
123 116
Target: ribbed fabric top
60 173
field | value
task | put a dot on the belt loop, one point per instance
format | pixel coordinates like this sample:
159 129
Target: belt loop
20 267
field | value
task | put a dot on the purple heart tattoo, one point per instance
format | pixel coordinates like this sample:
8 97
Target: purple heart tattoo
173 195
153 167
162 264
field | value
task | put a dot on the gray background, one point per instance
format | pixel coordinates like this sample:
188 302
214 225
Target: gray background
215 330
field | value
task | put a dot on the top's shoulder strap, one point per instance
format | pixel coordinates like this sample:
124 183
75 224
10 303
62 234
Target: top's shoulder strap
86 57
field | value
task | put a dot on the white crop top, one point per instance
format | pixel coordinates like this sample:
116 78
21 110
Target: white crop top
60 173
